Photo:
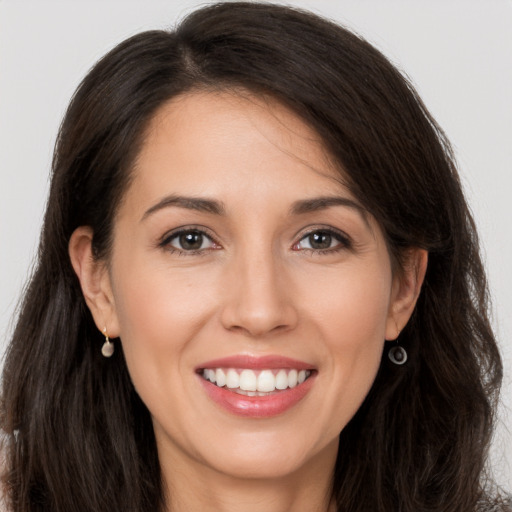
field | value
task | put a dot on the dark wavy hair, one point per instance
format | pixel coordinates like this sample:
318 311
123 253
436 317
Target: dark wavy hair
77 436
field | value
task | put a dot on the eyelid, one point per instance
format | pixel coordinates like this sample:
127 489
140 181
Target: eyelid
164 241
344 239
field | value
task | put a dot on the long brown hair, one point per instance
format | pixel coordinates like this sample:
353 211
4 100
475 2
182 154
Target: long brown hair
78 437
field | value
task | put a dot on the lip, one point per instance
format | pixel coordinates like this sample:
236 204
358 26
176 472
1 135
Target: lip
257 406
269 362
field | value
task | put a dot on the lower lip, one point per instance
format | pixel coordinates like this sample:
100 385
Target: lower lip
257 406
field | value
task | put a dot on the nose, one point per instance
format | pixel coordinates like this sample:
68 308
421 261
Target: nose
258 297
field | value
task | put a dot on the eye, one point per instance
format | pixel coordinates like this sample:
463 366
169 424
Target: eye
189 240
322 240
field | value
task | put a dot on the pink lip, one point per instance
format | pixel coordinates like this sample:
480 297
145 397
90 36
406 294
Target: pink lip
256 363
257 406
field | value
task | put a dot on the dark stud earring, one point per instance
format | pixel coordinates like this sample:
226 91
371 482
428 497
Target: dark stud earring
397 355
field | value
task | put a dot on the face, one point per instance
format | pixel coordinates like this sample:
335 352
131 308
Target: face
251 292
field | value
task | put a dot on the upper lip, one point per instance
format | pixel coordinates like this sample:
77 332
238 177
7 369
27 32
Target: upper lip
269 362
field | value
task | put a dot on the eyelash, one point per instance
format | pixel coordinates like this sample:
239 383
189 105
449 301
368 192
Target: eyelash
168 238
344 241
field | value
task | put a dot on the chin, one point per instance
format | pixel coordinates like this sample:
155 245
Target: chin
260 469
275 458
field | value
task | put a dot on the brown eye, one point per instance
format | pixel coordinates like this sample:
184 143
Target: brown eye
323 240
189 241
320 240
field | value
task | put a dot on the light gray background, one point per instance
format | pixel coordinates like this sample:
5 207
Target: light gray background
457 53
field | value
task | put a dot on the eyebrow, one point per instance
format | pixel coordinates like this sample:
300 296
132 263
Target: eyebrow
214 207
189 203
322 203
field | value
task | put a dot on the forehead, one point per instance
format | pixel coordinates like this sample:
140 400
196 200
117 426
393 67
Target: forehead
224 144
213 114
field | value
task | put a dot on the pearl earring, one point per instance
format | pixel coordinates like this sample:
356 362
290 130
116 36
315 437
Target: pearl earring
108 347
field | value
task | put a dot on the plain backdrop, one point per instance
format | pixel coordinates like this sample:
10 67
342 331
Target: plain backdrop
457 53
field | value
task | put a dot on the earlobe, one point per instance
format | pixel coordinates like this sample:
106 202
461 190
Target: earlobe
94 280
405 292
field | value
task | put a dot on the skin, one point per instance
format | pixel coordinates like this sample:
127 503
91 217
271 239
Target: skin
254 287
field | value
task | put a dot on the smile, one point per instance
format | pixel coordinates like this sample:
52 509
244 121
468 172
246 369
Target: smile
250 382
256 387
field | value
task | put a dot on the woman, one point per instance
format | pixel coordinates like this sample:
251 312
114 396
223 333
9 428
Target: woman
259 286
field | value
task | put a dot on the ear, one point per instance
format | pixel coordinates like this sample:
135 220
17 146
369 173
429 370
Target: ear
95 281
405 291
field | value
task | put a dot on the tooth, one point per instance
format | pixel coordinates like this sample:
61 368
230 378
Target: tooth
281 379
220 377
292 378
232 379
248 380
266 381
209 374
247 393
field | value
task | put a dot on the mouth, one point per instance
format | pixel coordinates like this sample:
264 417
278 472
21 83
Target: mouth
249 382
256 387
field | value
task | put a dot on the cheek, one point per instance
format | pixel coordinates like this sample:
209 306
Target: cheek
153 297
352 305
159 312
351 317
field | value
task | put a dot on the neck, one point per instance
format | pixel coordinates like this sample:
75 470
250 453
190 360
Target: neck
194 486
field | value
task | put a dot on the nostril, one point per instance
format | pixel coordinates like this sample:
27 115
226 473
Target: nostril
258 321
